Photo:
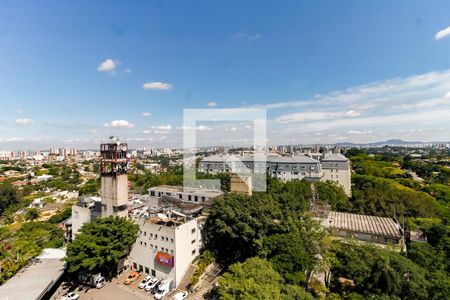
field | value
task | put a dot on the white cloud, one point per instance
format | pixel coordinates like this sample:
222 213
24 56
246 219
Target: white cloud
108 65
163 127
24 122
212 104
198 128
442 33
146 131
127 71
316 116
93 130
146 114
119 124
156 85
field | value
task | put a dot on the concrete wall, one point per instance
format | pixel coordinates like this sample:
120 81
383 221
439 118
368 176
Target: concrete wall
341 177
80 215
114 194
177 241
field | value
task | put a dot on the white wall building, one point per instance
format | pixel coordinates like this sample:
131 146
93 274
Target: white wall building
166 245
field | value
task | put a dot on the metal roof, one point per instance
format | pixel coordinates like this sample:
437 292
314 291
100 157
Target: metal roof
364 224
37 278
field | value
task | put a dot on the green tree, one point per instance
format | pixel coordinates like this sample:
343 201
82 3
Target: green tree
100 245
333 194
289 255
256 278
32 214
8 196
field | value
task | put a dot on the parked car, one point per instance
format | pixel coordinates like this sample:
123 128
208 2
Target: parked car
164 288
71 296
151 284
155 288
144 281
94 280
131 278
180 295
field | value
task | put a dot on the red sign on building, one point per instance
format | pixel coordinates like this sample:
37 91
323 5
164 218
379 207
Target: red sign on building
164 259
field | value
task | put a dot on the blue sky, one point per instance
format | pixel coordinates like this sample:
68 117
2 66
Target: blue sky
72 72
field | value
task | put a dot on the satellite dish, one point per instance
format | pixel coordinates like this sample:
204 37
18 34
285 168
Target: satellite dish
162 216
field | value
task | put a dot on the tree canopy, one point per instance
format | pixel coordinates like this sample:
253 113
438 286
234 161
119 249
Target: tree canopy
100 245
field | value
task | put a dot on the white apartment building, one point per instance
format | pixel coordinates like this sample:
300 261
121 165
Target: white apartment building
336 167
167 244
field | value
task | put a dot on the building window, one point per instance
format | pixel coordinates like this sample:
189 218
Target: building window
196 199
140 242
147 270
152 193
193 241
156 236
193 252
135 266
193 231
145 233
153 273
203 198
162 238
189 197
167 239
171 240
180 196
151 235
145 244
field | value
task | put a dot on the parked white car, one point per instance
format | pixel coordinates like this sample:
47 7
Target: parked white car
180 295
144 281
151 284
71 296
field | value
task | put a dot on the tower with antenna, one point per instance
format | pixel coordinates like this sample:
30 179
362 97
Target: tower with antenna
114 177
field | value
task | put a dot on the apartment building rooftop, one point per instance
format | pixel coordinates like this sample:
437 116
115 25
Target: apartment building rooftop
335 157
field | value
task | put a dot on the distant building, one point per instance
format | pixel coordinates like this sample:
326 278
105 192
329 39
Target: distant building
241 184
334 167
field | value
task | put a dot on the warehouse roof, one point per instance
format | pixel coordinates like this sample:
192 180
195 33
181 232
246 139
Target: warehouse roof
363 224
37 278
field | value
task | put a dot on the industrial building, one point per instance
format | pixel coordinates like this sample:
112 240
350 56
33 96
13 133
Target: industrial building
189 194
170 238
38 280
373 229
334 167
114 187
169 217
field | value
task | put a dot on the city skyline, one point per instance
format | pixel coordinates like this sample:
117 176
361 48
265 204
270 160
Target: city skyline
343 72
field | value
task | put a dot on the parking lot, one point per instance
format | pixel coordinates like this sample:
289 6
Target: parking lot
117 290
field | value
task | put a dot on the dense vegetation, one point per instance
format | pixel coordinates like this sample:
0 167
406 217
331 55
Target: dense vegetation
24 241
100 245
272 247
